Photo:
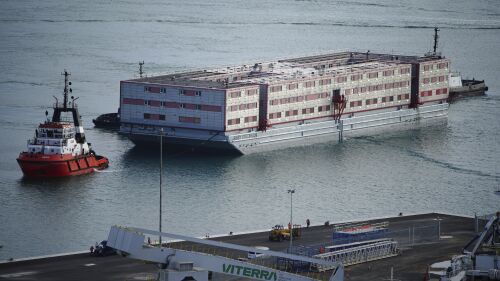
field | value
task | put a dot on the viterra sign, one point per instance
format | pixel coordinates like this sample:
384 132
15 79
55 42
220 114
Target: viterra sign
249 272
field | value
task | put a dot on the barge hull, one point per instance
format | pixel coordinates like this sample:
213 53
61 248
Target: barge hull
317 131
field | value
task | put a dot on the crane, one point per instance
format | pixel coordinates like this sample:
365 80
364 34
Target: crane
179 265
484 250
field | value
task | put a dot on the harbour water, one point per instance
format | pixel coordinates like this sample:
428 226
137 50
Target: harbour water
452 167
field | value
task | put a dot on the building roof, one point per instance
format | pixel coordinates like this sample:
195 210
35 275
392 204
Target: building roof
341 63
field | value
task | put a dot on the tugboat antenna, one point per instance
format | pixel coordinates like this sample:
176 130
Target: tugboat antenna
57 101
66 88
140 69
436 37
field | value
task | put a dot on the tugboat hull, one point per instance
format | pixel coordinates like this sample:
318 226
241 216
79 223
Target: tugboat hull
52 166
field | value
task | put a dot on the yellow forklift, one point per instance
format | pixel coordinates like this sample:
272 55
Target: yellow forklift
280 233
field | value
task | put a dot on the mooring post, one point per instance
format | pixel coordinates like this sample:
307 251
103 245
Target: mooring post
476 223
439 229
341 130
413 236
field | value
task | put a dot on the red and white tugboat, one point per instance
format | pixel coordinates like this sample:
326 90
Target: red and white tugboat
59 148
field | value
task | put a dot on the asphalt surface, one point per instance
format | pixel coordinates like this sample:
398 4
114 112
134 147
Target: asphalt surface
411 264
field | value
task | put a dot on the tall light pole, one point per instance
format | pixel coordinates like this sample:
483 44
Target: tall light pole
161 176
291 192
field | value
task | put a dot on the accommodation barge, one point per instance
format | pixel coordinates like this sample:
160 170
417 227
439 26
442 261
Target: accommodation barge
269 105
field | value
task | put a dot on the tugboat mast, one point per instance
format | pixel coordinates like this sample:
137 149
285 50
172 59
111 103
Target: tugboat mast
66 88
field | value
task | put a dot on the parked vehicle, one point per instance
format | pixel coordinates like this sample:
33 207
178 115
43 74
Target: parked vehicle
102 250
279 233
256 254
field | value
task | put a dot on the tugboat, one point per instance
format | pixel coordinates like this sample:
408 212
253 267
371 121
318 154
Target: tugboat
112 120
465 87
59 148
108 121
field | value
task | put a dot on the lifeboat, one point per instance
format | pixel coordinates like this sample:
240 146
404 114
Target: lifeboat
59 147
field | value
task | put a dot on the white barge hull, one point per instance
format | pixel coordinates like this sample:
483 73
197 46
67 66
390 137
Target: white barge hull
297 134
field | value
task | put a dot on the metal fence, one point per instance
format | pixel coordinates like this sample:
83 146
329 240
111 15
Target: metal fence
414 235
406 237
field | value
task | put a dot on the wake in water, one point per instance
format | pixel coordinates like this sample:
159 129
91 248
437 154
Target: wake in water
107 171
442 25
423 156
450 165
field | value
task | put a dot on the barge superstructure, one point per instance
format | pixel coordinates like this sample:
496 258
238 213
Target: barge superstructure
282 103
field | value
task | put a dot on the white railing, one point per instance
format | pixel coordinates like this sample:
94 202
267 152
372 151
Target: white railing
360 254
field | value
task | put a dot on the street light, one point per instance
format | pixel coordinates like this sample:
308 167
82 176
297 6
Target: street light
161 179
291 192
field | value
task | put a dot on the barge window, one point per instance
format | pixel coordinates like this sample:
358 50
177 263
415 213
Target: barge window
404 71
186 119
250 119
274 89
293 86
275 115
235 94
443 65
251 92
352 104
233 121
389 72
309 84
325 82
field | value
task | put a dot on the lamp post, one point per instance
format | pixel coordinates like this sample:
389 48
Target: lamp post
291 192
161 178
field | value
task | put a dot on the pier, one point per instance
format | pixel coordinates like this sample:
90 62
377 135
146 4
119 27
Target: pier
422 239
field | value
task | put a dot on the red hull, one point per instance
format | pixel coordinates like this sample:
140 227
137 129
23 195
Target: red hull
50 166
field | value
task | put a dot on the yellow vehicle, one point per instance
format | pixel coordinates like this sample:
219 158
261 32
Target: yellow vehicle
279 233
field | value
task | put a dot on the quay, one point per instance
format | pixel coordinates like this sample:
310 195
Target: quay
423 239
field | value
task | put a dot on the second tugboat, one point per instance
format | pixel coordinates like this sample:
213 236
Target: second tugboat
59 147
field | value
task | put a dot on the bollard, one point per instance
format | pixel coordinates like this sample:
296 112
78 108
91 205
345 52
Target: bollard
409 236
439 229
413 236
476 223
